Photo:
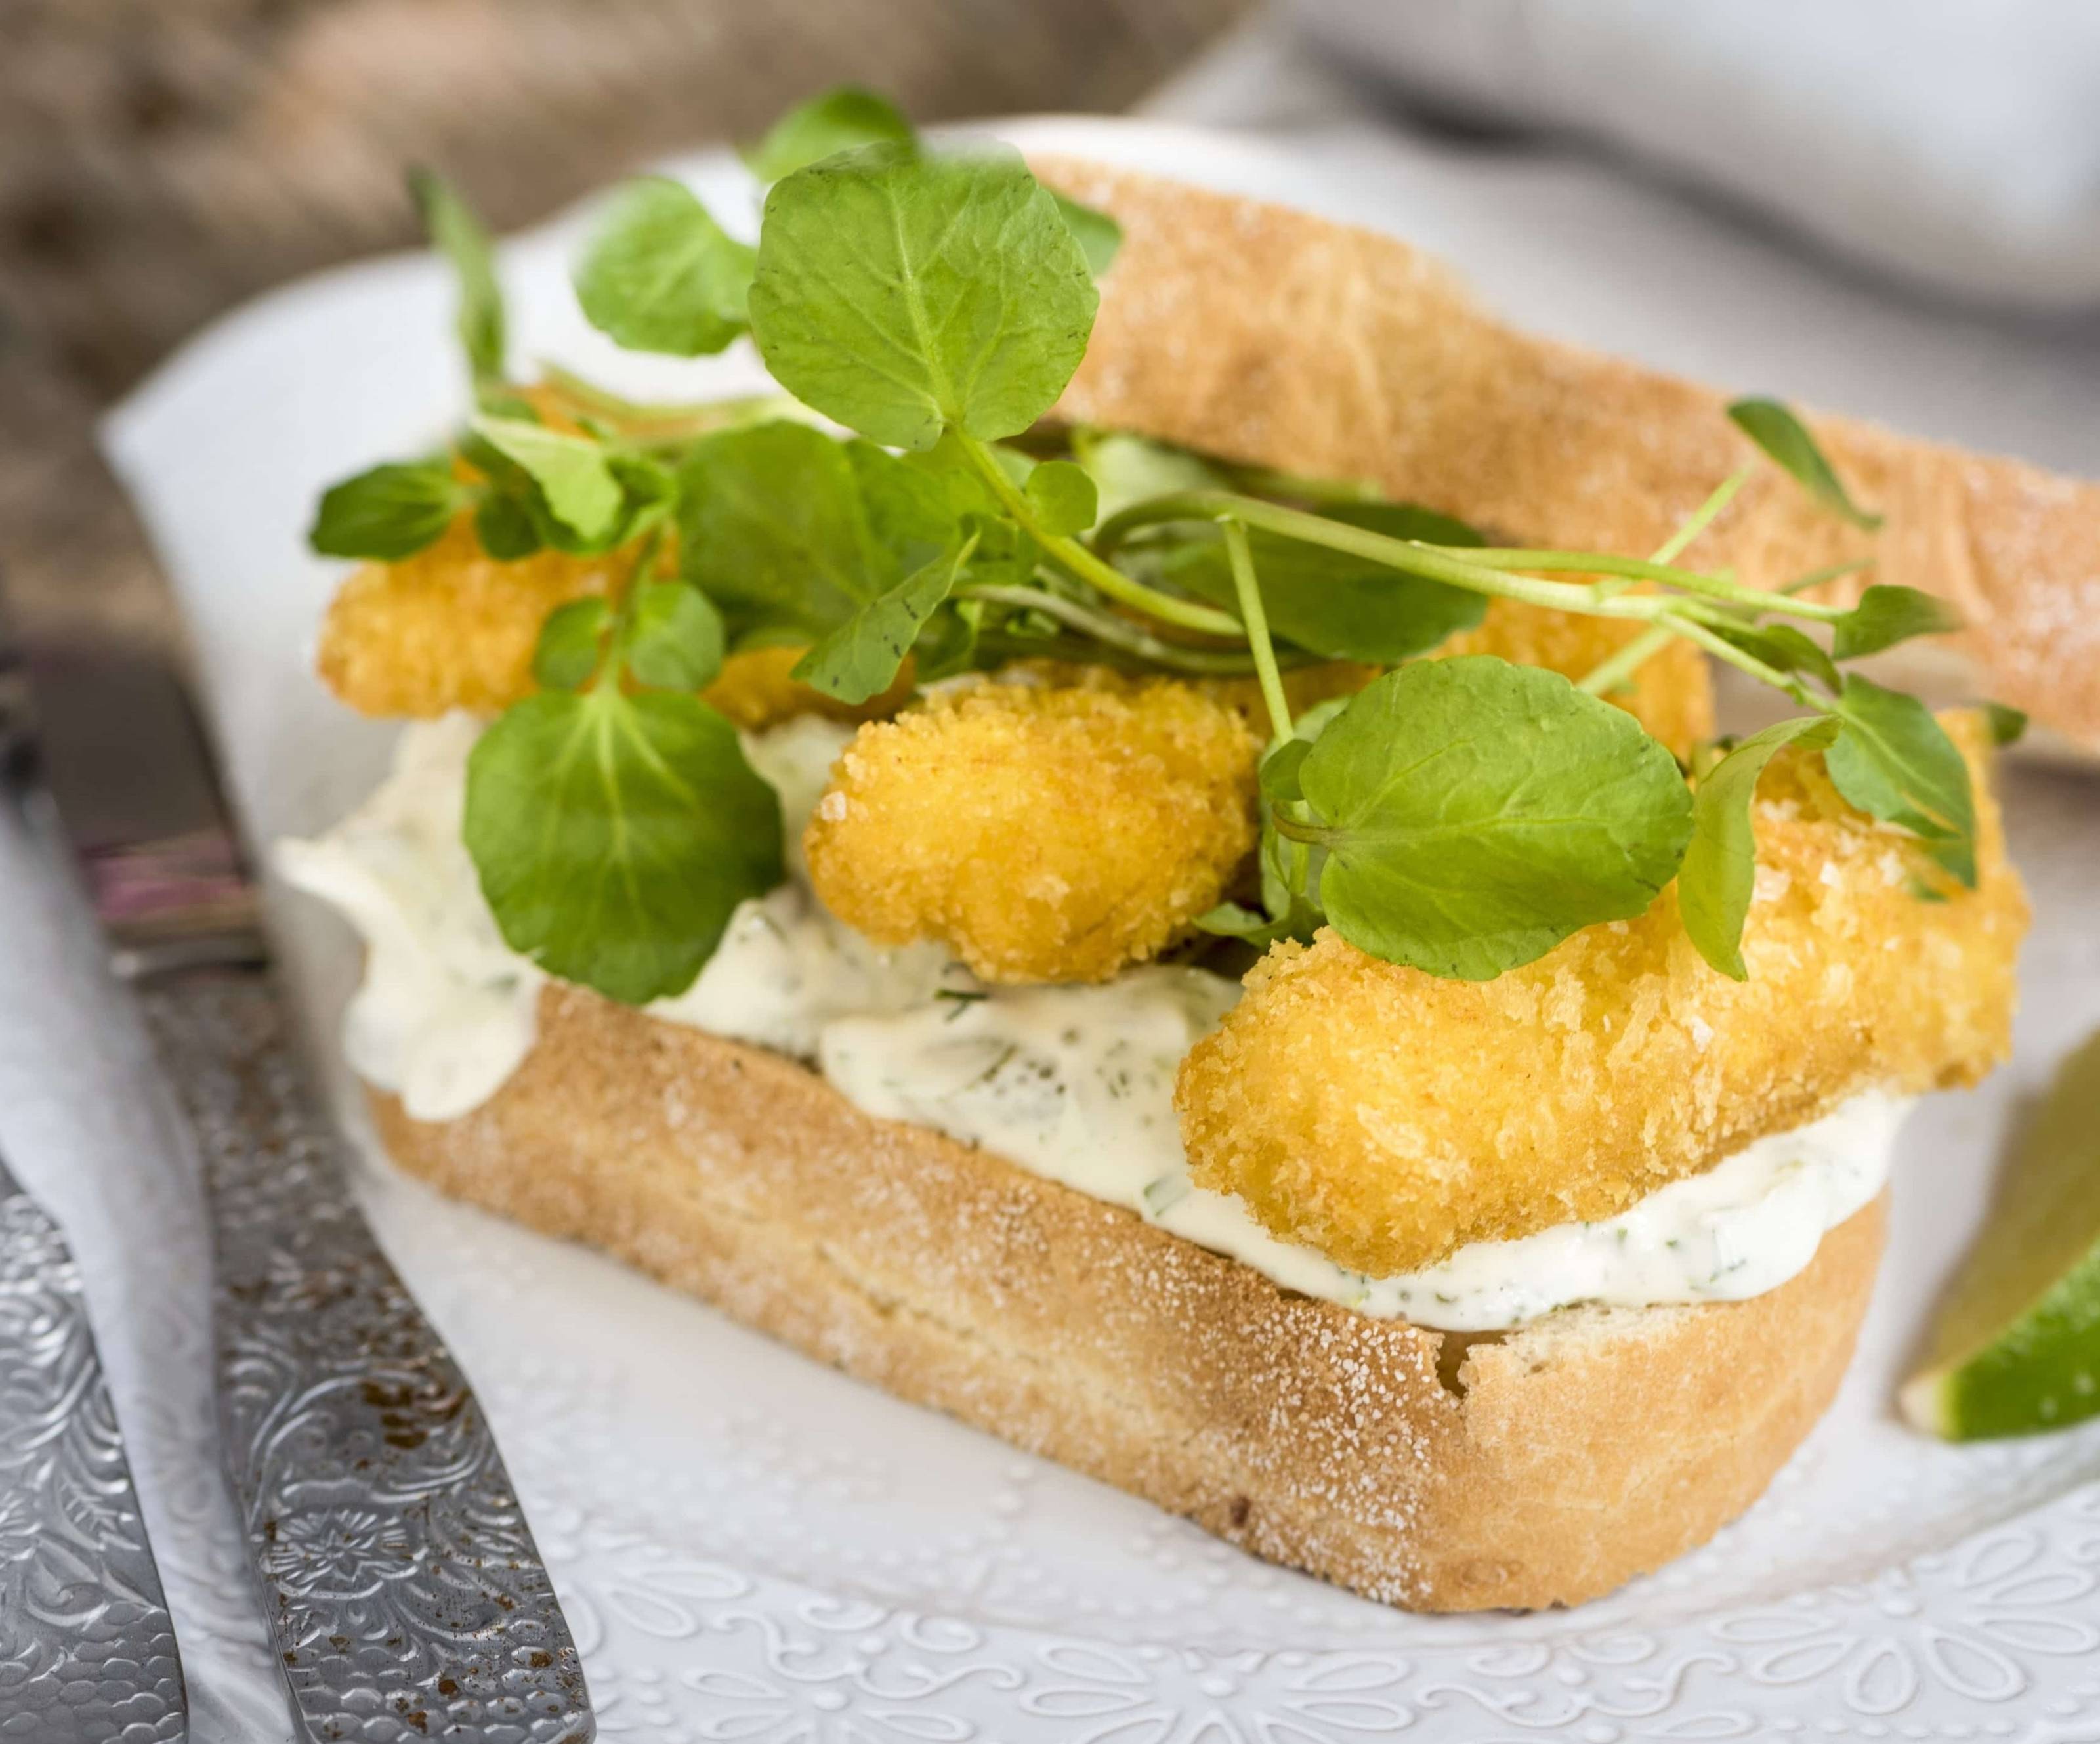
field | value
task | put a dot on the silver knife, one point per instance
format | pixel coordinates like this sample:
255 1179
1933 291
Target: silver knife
87 1651
399 1578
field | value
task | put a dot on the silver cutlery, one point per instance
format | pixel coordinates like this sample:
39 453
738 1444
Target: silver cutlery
400 1580
87 1651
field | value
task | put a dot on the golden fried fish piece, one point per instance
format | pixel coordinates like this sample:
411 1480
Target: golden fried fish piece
1387 1117
1043 832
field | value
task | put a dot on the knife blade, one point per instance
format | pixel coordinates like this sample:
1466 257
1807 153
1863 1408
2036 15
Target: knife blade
86 1645
399 1575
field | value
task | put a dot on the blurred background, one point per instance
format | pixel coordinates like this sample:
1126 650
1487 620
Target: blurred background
159 162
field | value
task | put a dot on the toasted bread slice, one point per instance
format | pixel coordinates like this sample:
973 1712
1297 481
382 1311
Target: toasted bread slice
1543 1466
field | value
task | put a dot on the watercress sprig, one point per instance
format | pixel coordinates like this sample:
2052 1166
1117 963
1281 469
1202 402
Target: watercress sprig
1460 816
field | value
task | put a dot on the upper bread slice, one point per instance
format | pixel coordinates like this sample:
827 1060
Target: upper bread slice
1543 1466
1280 339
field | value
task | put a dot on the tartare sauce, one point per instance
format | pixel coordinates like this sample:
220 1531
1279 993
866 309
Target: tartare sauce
1073 1082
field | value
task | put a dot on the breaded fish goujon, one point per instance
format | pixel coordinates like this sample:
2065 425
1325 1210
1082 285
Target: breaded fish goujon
1387 1117
1043 833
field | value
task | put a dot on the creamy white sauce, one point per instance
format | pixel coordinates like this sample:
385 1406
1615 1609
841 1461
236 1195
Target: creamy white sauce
1073 1083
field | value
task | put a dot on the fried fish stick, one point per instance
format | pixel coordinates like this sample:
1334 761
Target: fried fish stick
1386 1117
1043 832
452 628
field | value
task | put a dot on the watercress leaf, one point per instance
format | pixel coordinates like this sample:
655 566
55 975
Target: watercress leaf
1279 771
1895 761
1719 870
1785 440
862 657
2009 725
1099 236
903 295
1062 496
389 512
571 643
615 835
1338 606
660 274
911 514
1128 469
947 643
576 484
1783 648
674 638
460 237
1886 614
1476 813
771 528
505 527
837 120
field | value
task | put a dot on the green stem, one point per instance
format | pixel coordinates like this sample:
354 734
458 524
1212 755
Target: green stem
1722 649
614 667
1296 829
1452 565
1607 675
1641 569
1256 617
1701 518
1113 631
1091 568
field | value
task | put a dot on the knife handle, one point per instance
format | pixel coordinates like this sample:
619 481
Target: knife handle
400 1577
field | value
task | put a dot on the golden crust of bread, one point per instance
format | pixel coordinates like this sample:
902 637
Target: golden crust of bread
1557 1462
1044 833
1386 1116
1279 339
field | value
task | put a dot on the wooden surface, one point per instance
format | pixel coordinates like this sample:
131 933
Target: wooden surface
159 160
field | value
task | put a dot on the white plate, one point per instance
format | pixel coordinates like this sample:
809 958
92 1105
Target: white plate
752 1547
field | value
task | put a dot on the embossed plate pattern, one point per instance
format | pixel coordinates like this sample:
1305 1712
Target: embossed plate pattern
750 1548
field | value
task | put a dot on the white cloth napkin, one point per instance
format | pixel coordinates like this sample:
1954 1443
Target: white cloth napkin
1955 142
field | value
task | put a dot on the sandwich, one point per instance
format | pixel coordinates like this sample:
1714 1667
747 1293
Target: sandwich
1140 856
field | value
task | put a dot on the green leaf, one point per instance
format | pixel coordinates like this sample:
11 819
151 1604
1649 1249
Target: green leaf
1895 761
1719 871
661 275
1785 440
1340 607
1099 236
580 489
390 512
572 641
2008 725
615 835
1475 813
1063 497
460 237
1885 616
911 514
862 657
1128 470
1783 648
948 643
836 122
771 528
505 526
674 637
903 295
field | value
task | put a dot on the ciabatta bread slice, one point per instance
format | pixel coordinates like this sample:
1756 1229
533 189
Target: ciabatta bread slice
1278 339
1542 1467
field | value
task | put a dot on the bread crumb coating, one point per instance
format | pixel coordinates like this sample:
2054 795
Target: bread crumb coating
450 627
1042 832
1387 1117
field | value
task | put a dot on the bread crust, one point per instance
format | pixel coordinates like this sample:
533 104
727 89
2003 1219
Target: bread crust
1280 339
1558 1462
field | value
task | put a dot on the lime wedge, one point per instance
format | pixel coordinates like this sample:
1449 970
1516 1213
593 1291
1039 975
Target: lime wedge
2017 1349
